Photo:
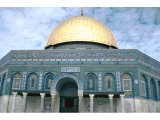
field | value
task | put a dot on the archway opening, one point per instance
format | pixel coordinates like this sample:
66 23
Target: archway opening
68 91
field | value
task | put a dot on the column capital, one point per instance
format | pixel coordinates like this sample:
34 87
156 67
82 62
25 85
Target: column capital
42 94
80 92
14 93
80 95
122 95
111 96
53 95
91 95
24 93
53 91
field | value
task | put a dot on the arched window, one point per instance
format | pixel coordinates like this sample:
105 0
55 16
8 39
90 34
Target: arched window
0 81
32 81
159 88
48 81
3 84
143 85
91 82
108 82
127 84
152 89
17 81
0 84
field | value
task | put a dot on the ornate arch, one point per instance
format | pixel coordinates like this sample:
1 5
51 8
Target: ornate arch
17 78
109 82
159 88
144 91
3 84
48 79
32 80
91 79
153 92
127 83
66 75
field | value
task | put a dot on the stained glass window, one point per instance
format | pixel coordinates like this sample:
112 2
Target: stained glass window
108 82
48 81
143 83
91 82
3 84
32 81
159 88
152 89
127 86
17 81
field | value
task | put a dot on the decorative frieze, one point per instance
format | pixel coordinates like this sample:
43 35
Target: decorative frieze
95 59
148 65
46 59
157 76
77 60
35 59
64 59
89 59
70 69
83 59
71 60
58 60
52 60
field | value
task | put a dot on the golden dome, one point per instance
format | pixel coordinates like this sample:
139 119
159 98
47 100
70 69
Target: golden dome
82 28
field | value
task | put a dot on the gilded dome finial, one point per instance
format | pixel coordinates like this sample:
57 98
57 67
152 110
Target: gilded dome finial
82 12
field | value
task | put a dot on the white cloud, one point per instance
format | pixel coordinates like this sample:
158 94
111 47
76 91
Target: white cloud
28 28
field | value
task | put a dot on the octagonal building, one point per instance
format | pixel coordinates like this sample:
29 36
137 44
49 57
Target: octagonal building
81 69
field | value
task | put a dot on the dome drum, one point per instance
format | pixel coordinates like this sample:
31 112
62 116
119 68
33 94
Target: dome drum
80 45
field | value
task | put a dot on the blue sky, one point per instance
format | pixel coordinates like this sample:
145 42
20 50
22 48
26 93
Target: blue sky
29 28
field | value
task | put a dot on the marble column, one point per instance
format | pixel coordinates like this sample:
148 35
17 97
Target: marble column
14 101
42 101
80 106
122 102
111 102
91 96
24 101
52 102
